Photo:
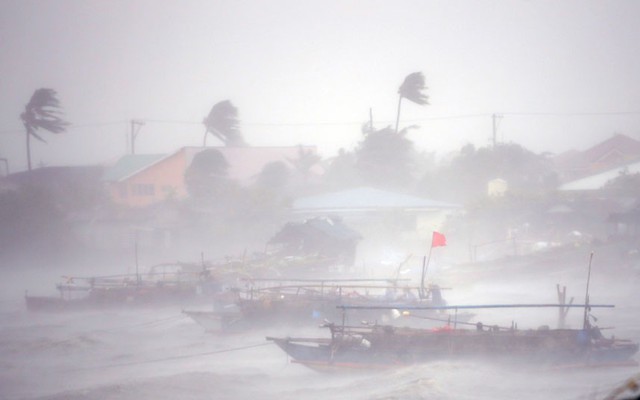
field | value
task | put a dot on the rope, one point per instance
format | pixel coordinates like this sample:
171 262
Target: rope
173 357
157 321
154 322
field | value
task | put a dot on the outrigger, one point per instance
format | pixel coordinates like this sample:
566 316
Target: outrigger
301 301
384 346
167 282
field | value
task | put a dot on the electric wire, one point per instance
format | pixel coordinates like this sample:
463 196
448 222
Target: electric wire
357 123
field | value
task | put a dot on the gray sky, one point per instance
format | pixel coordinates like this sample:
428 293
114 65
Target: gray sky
307 72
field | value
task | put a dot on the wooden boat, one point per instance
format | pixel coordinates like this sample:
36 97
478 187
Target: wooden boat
313 301
384 346
163 283
218 321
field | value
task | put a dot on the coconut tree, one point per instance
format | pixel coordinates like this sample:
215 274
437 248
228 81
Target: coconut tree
222 122
412 89
42 112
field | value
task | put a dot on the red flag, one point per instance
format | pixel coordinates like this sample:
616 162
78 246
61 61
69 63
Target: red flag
438 240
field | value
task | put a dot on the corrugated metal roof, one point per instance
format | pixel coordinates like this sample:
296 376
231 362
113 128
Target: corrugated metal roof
595 182
129 165
327 227
367 198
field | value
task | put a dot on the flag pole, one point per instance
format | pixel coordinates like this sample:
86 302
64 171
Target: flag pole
425 265
585 323
437 239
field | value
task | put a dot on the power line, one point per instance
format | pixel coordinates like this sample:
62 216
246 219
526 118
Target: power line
98 124
357 123
72 126
571 114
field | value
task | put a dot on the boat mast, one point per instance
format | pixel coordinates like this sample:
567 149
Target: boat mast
136 257
585 322
423 293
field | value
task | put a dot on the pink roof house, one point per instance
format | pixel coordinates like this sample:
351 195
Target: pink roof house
141 180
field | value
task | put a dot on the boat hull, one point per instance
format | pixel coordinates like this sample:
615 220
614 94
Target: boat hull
112 297
391 347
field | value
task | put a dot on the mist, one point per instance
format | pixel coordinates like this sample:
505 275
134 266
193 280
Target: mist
162 160
561 74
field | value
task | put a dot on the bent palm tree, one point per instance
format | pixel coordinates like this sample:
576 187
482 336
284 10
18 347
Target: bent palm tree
411 89
222 122
42 112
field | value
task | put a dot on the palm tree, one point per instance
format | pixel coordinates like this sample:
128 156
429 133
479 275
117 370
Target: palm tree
305 161
222 122
42 112
411 89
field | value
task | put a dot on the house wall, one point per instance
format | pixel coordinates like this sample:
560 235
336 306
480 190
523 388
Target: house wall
162 180
166 177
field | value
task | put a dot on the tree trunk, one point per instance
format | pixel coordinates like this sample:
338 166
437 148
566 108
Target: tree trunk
29 149
398 117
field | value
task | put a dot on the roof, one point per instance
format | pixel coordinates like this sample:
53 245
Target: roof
367 198
56 175
612 152
328 227
131 164
246 162
619 144
597 181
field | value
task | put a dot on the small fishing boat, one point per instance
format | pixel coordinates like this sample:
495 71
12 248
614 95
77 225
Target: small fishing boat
163 283
384 346
310 301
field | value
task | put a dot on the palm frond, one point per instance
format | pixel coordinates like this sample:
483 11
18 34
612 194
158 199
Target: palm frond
43 112
44 98
222 122
33 133
412 88
52 125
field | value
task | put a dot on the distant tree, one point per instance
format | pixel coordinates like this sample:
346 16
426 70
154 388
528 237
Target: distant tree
274 176
222 122
411 89
33 223
385 158
207 174
466 176
305 161
42 112
342 172
624 185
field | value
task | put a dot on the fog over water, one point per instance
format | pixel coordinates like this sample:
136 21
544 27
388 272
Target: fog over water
160 353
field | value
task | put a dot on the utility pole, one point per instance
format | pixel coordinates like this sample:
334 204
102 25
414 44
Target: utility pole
6 166
371 119
135 129
495 118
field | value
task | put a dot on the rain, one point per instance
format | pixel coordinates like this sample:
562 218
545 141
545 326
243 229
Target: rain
320 199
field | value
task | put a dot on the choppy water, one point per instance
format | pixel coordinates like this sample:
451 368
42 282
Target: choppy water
162 354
